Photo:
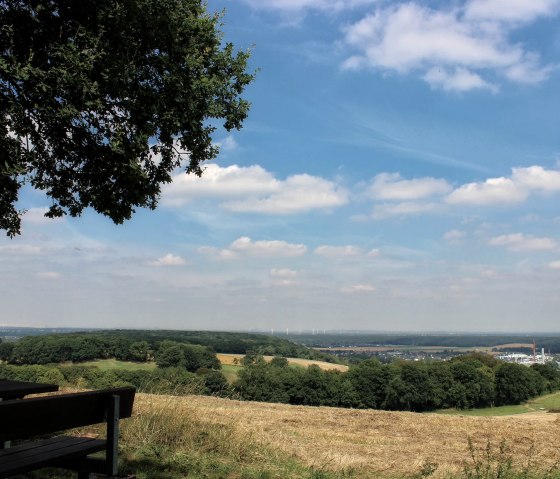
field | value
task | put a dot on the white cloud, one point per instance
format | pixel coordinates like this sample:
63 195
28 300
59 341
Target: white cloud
21 249
37 216
169 260
358 288
519 242
252 189
514 189
283 277
537 178
218 182
48 275
459 79
454 236
283 273
390 186
217 253
554 264
227 144
450 48
406 208
523 11
299 193
301 5
374 253
267 248
337 251
493 190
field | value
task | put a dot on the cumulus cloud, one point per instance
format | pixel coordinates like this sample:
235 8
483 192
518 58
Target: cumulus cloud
280 248
391 210
337 251
522 11
245 246
299 193
458 79
493 190
519 242
450 48
502 190
217 182
252 189
169 260
391 186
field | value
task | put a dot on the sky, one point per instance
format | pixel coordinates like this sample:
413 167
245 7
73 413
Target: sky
399 171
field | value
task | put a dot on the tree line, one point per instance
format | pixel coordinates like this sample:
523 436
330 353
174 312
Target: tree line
472 381
142 346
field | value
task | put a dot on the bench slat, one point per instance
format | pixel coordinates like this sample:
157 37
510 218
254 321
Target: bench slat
31 456
25 418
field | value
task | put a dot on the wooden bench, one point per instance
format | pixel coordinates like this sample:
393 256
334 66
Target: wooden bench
26 418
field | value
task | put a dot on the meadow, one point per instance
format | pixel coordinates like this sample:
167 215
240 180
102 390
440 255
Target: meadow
213 438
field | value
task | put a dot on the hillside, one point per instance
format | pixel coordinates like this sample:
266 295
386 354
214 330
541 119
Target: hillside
272 440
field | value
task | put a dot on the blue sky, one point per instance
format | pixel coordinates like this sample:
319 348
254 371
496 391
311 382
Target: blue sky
399 170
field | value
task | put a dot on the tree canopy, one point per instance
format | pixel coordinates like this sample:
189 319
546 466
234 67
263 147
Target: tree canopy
101 100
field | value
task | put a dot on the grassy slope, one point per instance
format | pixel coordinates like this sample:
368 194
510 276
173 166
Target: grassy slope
546 403
202 437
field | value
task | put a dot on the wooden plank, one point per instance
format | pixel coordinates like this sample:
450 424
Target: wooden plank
30 417
28 457
17 389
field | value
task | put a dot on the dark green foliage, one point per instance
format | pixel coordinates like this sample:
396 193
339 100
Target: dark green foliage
99 100
516 383
412 386
188 356
370 380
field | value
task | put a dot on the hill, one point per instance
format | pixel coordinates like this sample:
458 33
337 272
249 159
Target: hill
198 436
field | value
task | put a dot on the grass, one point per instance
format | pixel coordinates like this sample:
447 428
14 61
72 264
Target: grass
107 364
488 411
212 438
233 359
547 402
230 372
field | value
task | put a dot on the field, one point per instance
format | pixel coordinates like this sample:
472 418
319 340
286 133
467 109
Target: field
543 403
106 364
233 359
424 349
219 438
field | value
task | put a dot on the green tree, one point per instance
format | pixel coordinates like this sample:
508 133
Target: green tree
101 100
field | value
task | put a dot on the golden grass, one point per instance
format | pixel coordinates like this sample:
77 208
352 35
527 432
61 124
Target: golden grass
229 359
373 443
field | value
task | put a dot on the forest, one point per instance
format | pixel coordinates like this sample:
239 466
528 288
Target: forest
187 363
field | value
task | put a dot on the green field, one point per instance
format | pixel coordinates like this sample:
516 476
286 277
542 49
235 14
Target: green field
230 372
106 364
546 403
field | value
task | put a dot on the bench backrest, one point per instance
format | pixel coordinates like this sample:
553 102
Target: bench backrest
22 418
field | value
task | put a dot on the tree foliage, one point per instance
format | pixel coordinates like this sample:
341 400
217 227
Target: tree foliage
100 100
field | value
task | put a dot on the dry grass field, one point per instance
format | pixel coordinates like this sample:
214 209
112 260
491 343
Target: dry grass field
371 444
230 359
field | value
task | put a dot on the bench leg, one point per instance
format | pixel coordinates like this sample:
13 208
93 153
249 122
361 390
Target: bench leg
84 473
